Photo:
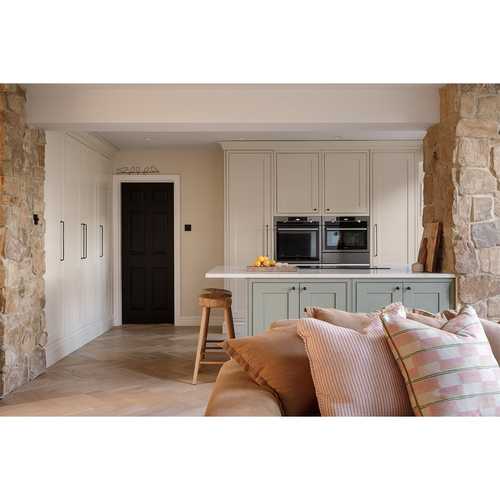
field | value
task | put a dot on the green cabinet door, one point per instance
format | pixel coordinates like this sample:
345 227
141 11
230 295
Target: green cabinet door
271 302
430 296
332 294
372 295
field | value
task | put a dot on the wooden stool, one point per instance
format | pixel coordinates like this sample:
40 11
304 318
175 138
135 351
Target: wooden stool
214 299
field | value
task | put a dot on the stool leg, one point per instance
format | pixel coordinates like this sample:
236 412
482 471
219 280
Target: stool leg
228 318
202 339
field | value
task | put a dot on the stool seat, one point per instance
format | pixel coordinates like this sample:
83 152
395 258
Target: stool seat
212 298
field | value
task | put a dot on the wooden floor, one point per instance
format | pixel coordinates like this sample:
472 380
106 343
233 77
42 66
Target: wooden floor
133 370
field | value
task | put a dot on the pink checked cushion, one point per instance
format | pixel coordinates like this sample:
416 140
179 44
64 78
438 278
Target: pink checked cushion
354 373
449 371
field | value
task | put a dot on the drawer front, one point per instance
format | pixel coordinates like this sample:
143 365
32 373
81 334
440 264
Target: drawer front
324 295
432 297
373 295
272 302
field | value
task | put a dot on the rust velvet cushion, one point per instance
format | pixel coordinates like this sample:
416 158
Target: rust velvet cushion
277 360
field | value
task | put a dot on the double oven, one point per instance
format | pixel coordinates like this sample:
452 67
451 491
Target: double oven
329 241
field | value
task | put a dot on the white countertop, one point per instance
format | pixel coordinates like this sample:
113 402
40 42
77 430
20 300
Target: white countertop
230 272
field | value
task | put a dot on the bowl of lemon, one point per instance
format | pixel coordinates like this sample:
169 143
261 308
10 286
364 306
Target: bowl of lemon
265 263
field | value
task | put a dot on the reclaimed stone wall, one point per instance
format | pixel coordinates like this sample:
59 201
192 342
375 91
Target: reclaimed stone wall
22 258
462 190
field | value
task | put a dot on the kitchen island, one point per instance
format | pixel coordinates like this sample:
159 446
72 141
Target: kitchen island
267 296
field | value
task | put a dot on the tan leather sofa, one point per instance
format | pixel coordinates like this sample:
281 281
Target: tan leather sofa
236 394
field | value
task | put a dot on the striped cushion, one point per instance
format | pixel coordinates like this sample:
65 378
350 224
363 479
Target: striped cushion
449 371
354 373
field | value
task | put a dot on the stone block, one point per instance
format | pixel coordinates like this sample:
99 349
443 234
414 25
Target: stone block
486 234
467 106
488 107
482 208
473 152
472 289
476 181
466 258
494 307
495 157
497 204
477 128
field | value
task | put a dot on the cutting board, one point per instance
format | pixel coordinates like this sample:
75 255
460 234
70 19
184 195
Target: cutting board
431 240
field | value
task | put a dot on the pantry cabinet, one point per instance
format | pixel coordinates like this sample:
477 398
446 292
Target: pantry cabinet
394 214
297 183
78 258
345 183
248 217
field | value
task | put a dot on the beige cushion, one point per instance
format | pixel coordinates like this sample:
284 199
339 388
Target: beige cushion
354 373
354 321
278 361
236 394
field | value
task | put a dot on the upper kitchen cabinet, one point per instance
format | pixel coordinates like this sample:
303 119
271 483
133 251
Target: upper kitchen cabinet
345 183
297 183
394 213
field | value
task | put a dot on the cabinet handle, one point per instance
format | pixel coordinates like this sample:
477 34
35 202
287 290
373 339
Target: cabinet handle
304 288
397 288
84 240
375 234
292 289
315 209
61 225
102 240
408 287
327 209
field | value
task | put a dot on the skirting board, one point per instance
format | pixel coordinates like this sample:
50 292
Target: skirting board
60 348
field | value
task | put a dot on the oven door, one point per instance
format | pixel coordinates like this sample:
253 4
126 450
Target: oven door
297 244
345 239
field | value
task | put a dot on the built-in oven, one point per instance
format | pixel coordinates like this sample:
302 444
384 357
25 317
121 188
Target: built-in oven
298 239
346 240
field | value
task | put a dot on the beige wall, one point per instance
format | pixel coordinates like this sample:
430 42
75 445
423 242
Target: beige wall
202 205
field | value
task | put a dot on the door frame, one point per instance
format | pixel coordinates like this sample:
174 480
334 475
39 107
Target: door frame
118 180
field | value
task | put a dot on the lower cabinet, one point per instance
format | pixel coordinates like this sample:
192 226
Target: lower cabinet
432 296
272 301
275 300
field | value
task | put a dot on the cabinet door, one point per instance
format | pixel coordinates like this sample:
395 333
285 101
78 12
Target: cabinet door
393 215
248 218
297 183
345 183
272 302
373 295
54 177
323 295
432 296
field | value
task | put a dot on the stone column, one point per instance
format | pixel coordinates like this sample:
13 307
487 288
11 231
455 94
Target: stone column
22 258
462 190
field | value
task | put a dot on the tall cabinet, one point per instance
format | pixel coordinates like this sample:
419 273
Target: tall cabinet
78 250
248 218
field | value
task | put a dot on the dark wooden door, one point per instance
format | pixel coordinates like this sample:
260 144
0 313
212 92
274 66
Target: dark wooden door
148 252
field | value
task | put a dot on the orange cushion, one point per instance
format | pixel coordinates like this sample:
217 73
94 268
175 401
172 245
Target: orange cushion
277 360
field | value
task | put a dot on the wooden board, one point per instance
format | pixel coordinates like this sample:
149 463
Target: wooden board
432 232
422 252
275 269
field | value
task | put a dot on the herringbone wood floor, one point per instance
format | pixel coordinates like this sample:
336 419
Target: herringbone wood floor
133 370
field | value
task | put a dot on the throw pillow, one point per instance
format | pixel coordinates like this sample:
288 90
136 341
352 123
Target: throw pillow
449 371
354 321
278 361
354 373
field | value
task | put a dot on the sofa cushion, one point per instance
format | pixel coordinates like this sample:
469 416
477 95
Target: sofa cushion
449 371
236 394
277 360
354 373
354 321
